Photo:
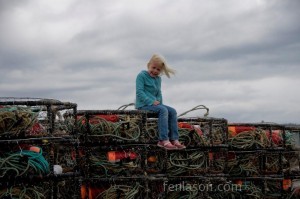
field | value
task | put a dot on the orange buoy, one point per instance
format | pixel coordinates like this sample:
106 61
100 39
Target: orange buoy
35 149
152 159
116 156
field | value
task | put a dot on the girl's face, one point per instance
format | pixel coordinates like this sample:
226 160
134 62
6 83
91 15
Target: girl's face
154 69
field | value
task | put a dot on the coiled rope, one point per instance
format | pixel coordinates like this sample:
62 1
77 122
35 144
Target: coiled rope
22 193
249 139
23 163
16 119
120 191
186 161
101 167
244 165
127 129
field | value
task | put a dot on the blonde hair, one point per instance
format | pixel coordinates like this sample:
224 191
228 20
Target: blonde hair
162 63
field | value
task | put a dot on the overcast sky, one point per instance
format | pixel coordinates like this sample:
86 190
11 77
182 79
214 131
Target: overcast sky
238 58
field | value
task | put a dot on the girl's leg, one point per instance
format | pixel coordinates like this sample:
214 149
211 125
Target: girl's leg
162 120
167 126
173 127
172 123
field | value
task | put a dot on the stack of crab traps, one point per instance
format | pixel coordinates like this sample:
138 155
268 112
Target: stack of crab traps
120 148
38 152
49 149
222 160
263 159
115 147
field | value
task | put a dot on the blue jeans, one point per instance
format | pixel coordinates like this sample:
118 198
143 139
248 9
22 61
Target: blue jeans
167 121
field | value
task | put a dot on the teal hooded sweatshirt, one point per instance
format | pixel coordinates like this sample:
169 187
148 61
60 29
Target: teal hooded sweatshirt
148 89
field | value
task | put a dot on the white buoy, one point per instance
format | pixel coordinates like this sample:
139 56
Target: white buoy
57 169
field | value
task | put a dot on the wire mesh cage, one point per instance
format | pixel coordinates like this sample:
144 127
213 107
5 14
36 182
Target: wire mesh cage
115 161
113 188
255 163
24 161
189 162
252 136
246 163
196 162
291 163
31 159
66 188
25 190
203 132
156 187
156 161
271 163
35 117
66 158
264 187
112 126
292 134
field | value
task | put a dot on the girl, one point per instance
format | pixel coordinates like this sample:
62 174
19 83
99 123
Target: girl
149 97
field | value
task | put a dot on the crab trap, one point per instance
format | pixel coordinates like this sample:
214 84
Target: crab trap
195 162
112 126
35 117
66 158
130 187
113 188
252 136
265 187
108 162
155 187
65 188
21 162
291 163
186 163
202 131
37 191
255 163
155 161
41 189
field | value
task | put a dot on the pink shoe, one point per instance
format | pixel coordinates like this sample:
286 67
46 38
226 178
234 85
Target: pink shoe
178 144
166 144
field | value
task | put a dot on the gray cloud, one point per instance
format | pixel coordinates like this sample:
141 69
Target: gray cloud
240 58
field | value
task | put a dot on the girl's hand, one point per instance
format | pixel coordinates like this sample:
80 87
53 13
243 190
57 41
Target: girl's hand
156 103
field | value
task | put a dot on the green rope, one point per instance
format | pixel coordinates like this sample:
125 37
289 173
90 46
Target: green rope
122 191
186 161
23 163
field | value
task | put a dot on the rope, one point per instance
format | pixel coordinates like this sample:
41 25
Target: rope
244 165
16 119
196 108
101 167
22 193
127 129
23 163
249 139
120 191
186 161
123 107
